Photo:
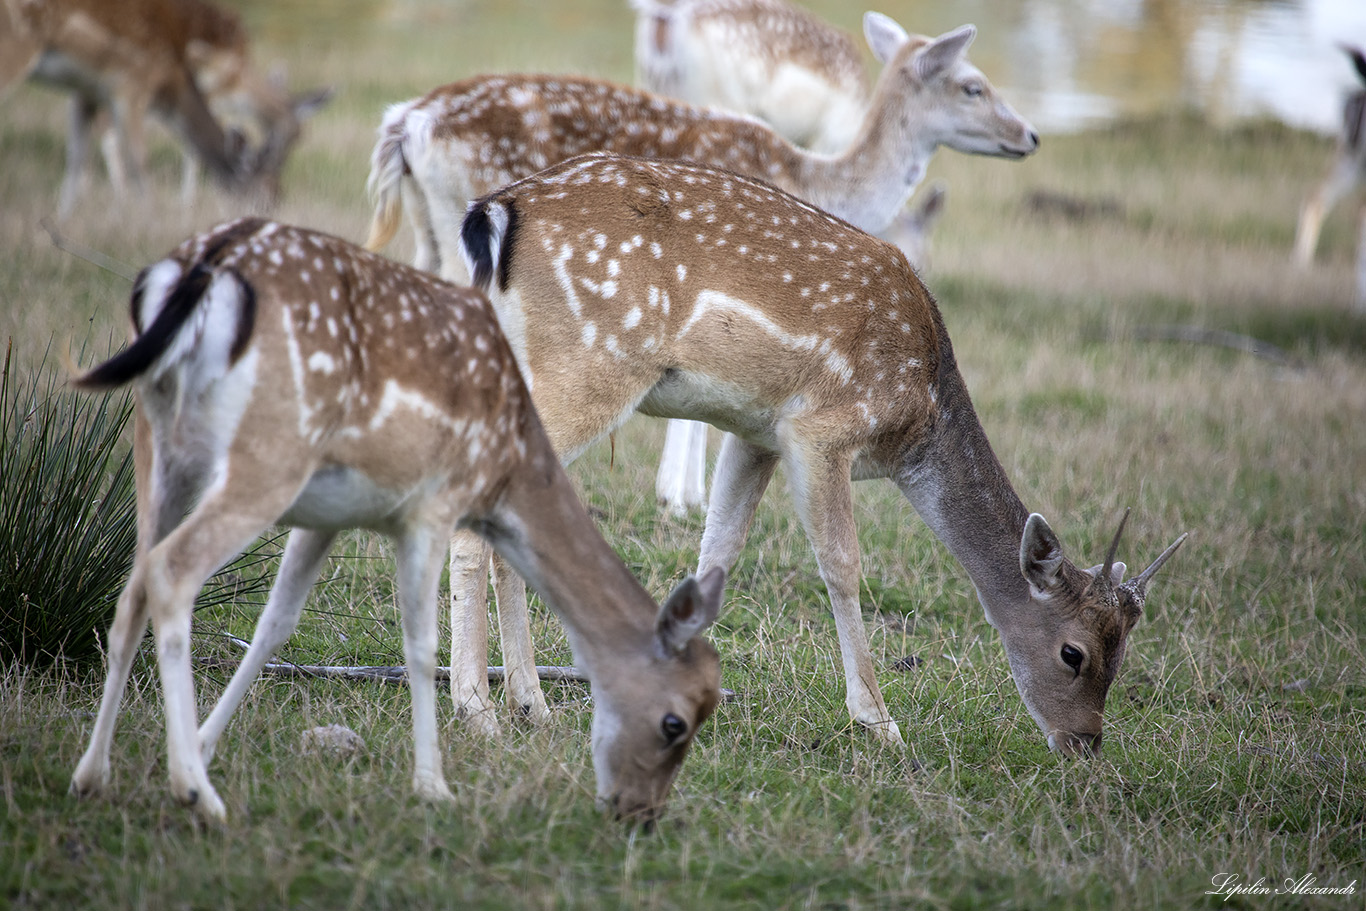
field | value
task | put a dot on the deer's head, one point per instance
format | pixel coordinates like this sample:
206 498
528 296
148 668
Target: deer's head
945 99
648 709
1065 657
268 121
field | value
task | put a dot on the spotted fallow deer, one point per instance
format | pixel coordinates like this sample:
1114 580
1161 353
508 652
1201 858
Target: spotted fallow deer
438 152
682 291
768 58
184 61
799 74
287 377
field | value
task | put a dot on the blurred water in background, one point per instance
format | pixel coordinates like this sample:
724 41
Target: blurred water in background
1065 64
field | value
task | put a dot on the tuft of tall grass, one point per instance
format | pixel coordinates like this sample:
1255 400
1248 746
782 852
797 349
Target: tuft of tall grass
67 515
68 519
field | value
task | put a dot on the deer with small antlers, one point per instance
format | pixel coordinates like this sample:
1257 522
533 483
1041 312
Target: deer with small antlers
681 291
287 377
185 61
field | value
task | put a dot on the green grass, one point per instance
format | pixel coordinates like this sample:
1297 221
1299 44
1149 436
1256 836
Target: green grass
1236 737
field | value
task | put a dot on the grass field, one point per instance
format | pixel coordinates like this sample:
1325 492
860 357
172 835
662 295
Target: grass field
1236 736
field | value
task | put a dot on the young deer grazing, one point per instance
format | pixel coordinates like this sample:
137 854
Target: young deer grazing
186 61
768 58
288 377
685 292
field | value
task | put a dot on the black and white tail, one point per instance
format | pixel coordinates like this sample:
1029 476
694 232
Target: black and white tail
485 237
179 310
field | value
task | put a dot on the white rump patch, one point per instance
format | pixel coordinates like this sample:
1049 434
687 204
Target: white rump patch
204 342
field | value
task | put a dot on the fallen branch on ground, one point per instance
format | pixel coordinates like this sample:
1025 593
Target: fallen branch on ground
1220 338
89 254
399 673
393 674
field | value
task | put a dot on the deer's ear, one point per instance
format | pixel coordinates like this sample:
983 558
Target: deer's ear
690 609
943 52
1040 555
883 35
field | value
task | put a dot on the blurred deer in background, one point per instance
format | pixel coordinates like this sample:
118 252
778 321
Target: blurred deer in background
688 292
286 377
767 58
184 61
1347 172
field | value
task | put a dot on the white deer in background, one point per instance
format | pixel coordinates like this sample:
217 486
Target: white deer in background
687 292
1347 172
185 61
768 58
286 377
438 152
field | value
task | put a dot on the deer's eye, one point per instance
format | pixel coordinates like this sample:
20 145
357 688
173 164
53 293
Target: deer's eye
1072 657
972 89
672 727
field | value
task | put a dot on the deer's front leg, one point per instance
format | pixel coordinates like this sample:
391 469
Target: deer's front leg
470 633
1339 181
83 114
521 686
743 471
419 572
823 496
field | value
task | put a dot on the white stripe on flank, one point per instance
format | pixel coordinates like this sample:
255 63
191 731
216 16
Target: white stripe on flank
716 300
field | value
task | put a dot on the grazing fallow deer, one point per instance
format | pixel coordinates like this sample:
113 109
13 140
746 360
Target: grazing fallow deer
185 61
768 58
681 291
1347 171
287 377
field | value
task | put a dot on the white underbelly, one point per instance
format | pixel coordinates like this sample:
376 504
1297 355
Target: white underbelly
338 498
697 397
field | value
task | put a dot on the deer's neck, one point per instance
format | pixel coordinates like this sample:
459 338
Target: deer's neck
560 553
957 485
871 181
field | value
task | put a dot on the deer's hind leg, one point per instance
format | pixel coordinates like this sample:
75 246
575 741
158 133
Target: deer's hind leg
303 558
161 503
